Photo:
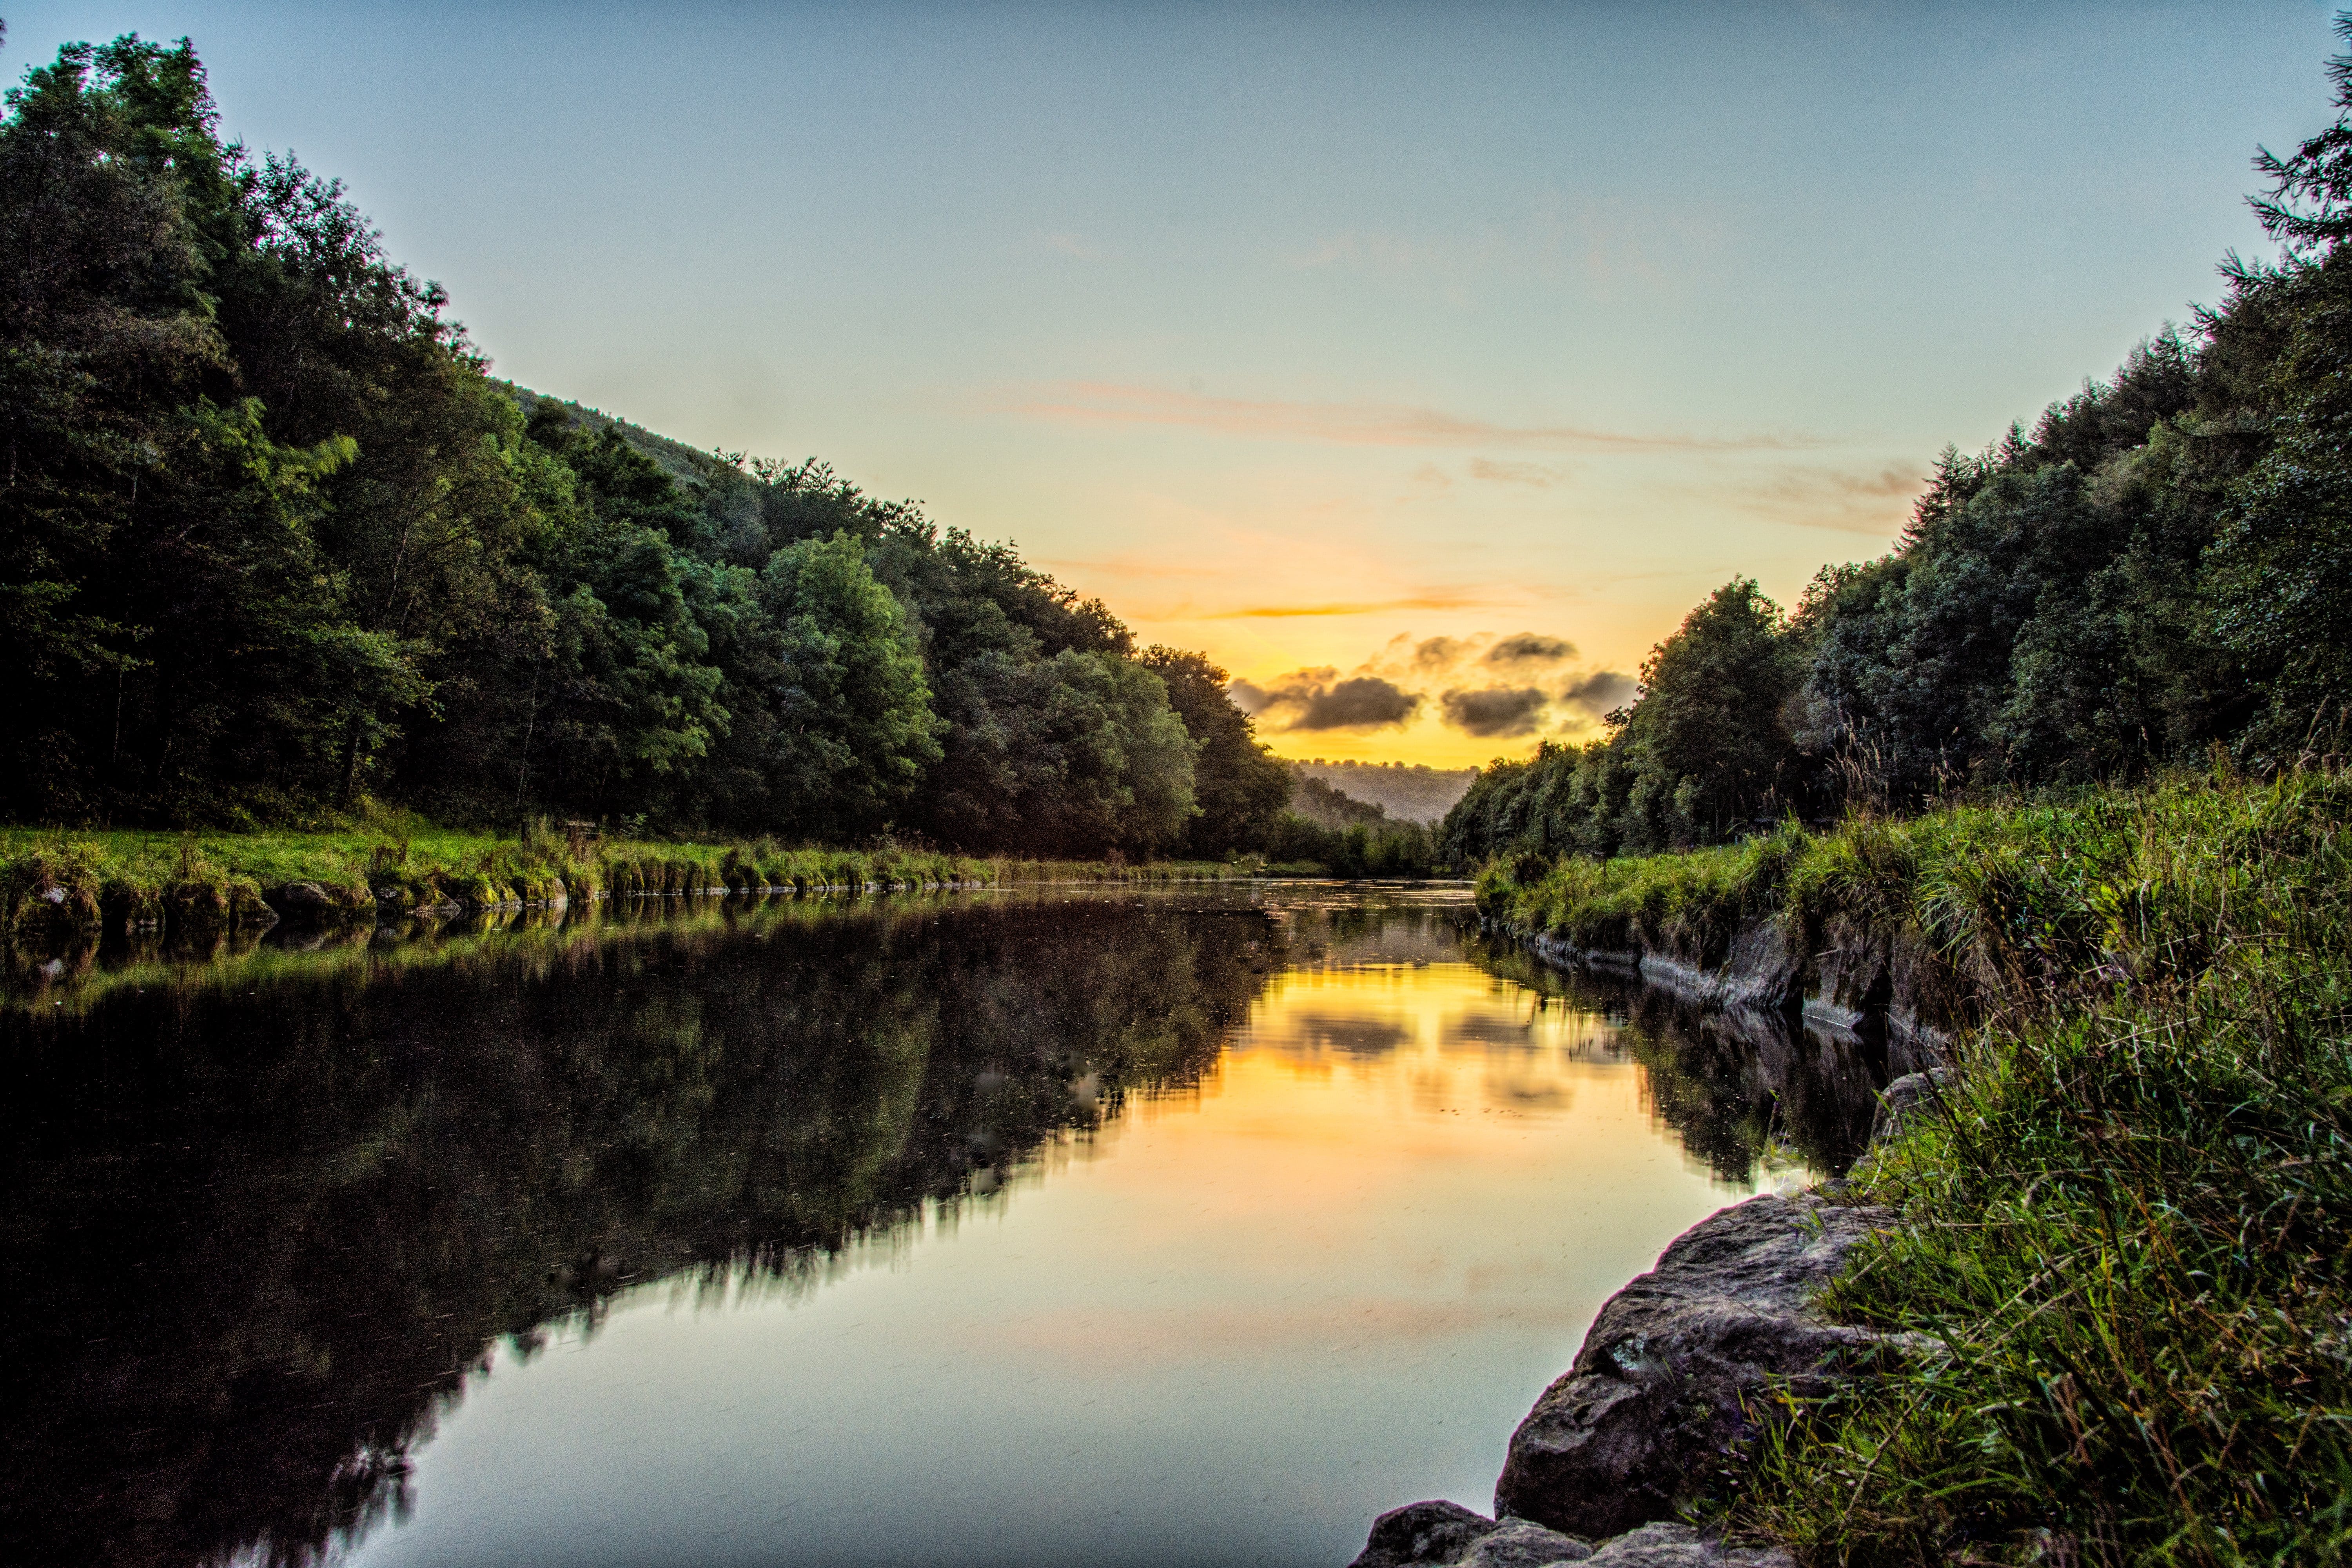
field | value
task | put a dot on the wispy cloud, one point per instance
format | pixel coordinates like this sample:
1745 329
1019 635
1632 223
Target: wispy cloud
1536 476
1872 501
1077 247
1381 606
1607 244
1353 424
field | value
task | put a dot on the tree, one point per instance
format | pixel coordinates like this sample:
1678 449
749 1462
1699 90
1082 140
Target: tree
1240 786
1708 735
854 723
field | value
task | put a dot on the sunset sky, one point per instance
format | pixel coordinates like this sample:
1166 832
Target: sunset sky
1382 352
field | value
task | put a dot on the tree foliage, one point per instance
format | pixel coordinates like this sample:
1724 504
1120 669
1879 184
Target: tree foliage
272 541
2161 565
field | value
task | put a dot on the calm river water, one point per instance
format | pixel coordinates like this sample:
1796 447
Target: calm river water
1047 1227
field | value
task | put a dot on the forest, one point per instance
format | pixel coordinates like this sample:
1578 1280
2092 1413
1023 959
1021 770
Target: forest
2160 566
274 547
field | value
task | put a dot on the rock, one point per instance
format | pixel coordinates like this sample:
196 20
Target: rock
1680 1546
300 898
1660 1392
1423 1533
1907 1097
1522 1543
1448 1535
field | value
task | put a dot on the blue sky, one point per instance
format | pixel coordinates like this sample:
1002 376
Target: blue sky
1306 334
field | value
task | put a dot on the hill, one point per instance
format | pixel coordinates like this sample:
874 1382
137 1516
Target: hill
276 548
1406 792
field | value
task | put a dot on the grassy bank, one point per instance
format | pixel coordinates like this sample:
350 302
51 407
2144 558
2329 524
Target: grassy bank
2126 1237
54 883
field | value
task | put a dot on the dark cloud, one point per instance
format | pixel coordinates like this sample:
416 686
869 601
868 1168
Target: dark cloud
1599 693
1319 700
1531 647
1496 710
1438 653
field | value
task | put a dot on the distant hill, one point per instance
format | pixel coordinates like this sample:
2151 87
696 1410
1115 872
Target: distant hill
1413 793
1325 806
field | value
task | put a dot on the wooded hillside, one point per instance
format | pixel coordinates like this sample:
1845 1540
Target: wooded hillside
2161 564
272 543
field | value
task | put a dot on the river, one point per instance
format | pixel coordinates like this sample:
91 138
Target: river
1046 1226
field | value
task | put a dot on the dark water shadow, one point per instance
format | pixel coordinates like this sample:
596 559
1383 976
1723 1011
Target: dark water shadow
1743 1089
264 1221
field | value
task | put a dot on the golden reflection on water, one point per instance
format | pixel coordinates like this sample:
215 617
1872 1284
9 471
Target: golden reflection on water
1324 1279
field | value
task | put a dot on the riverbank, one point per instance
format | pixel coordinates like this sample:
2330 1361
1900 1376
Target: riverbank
2120 1223
55 883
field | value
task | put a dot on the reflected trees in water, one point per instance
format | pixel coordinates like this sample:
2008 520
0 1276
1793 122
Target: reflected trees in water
273 1206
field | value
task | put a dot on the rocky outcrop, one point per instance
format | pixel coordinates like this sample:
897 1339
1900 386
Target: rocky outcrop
1908 1097
1424 1532
1843 977
1758 970
1669 1379
1448 1535
1672 1377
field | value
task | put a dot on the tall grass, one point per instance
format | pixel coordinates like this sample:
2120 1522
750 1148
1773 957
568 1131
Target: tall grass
2122 1267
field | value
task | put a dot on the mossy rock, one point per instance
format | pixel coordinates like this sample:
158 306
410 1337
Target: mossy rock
479 891
129 903
51 891
246 907
198 904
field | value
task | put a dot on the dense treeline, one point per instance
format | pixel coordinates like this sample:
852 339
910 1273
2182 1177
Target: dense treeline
271 542
2162 564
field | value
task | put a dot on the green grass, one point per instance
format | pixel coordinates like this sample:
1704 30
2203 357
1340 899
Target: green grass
2126 1242
55 886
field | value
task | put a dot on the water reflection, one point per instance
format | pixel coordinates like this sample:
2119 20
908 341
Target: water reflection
276 1212
1742 1087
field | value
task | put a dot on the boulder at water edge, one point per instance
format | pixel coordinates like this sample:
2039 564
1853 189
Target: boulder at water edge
1671 1374
1448 1535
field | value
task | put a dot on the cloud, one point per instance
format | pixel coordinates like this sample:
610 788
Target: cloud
1284 612
1440 653
1536 476
1352 424
1077 247
1319 699
1531 647
1875 502
1599 693
1604 244
1494 710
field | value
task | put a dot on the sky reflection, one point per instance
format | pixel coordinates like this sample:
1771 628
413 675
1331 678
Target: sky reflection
1326 1278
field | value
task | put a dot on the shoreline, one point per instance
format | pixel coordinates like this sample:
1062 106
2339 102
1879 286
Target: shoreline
1664 1383
2114 1003
62 885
